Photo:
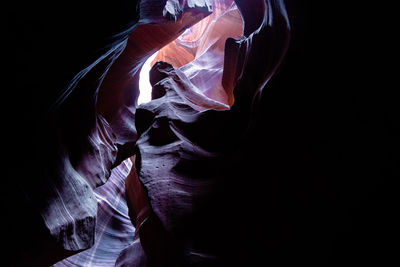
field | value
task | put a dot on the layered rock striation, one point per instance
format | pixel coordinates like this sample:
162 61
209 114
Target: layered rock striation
87 129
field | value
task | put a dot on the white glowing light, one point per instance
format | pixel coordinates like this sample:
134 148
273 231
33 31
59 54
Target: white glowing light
144 81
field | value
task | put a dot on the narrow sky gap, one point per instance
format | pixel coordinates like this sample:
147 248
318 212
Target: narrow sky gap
144 81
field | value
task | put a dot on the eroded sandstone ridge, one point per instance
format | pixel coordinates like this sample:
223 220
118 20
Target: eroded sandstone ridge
185 146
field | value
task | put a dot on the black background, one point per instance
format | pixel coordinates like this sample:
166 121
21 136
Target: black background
326 144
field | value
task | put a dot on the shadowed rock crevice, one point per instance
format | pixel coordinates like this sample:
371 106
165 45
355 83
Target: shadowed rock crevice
183 172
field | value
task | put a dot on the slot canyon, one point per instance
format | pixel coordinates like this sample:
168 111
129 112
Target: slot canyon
177 133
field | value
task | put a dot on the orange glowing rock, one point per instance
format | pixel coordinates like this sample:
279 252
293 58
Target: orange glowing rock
199 52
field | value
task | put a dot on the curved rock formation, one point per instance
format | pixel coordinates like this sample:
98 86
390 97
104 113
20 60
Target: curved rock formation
120 89
85 154
199 52
279 172
182 140
114 230
185 146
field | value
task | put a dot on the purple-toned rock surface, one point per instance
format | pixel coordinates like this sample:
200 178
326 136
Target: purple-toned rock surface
183 139
184 143
118 94
75 143
114 230
183 153
240 160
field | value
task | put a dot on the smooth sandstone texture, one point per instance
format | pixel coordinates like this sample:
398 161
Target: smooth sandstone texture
87 123
75 143
185 145
114 230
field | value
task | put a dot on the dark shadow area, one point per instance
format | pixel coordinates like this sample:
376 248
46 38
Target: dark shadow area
314 184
